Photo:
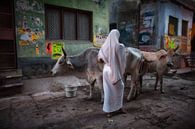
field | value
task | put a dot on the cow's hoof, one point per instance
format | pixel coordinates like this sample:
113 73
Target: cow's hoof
88 98
129 99
162 92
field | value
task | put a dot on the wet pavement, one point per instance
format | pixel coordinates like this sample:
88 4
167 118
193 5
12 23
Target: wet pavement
51 109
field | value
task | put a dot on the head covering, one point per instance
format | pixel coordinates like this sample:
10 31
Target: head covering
113 54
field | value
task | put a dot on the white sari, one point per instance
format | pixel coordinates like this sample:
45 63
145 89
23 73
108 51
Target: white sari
113 54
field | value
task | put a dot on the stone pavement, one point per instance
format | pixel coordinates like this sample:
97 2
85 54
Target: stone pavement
45 106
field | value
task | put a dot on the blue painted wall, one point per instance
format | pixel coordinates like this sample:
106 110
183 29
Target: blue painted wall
162 10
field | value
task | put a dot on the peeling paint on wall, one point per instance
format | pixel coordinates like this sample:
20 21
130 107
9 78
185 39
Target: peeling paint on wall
29 5
99 36
146 26
30 34
98 40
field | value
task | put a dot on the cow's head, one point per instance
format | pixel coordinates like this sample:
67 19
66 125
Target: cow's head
171 53
62 65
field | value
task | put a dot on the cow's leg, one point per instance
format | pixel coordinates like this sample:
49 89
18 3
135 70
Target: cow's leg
161 83
125 79
140 83
132 90
91 87
156 83
137 86
100 85
136 93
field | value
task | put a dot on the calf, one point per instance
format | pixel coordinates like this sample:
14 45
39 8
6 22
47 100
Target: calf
160 63
86 63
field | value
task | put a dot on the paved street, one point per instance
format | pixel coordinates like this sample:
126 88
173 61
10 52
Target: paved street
151 110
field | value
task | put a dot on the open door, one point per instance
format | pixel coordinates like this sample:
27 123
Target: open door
7 36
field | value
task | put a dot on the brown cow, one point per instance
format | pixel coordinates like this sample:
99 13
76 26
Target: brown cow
160 62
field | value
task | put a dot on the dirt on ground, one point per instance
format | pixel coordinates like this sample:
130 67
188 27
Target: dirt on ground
175 109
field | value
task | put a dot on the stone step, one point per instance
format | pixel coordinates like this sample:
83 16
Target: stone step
12 85
11 78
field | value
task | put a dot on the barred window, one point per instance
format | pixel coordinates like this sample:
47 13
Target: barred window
53 23
184 28
173 26
68 24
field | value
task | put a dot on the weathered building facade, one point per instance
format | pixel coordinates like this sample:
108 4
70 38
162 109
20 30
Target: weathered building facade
33 31
165 24
154 24
124 15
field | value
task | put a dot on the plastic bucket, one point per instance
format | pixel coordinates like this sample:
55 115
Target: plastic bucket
70 91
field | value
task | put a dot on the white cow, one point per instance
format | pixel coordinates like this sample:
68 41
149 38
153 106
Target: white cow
87 63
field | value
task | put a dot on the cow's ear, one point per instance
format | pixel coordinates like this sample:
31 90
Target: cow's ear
64 52
176 48
70 65
163 56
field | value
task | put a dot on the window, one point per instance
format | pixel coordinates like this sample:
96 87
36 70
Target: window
68 24
184 28
173 26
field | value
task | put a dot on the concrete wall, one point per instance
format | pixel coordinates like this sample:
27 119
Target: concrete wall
154 19
32 54
148 23
170 9
124 13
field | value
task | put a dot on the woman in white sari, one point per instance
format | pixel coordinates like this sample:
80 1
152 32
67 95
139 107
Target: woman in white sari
112 53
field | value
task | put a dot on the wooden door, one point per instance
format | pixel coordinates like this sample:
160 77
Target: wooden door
7 36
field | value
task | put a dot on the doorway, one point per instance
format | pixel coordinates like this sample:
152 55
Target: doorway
7 36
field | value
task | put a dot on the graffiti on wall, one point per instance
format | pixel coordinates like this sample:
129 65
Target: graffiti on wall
127 33
29 5
99 39
146 27
30 27
29 30
49 48
100 36
57 49
54 49
172 41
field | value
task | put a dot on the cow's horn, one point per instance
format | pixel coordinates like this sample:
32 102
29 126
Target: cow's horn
176 48
64 52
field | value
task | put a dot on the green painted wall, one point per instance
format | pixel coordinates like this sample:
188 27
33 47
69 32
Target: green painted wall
34 57
30 25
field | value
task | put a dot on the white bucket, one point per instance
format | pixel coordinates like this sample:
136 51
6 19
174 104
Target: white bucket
70 91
